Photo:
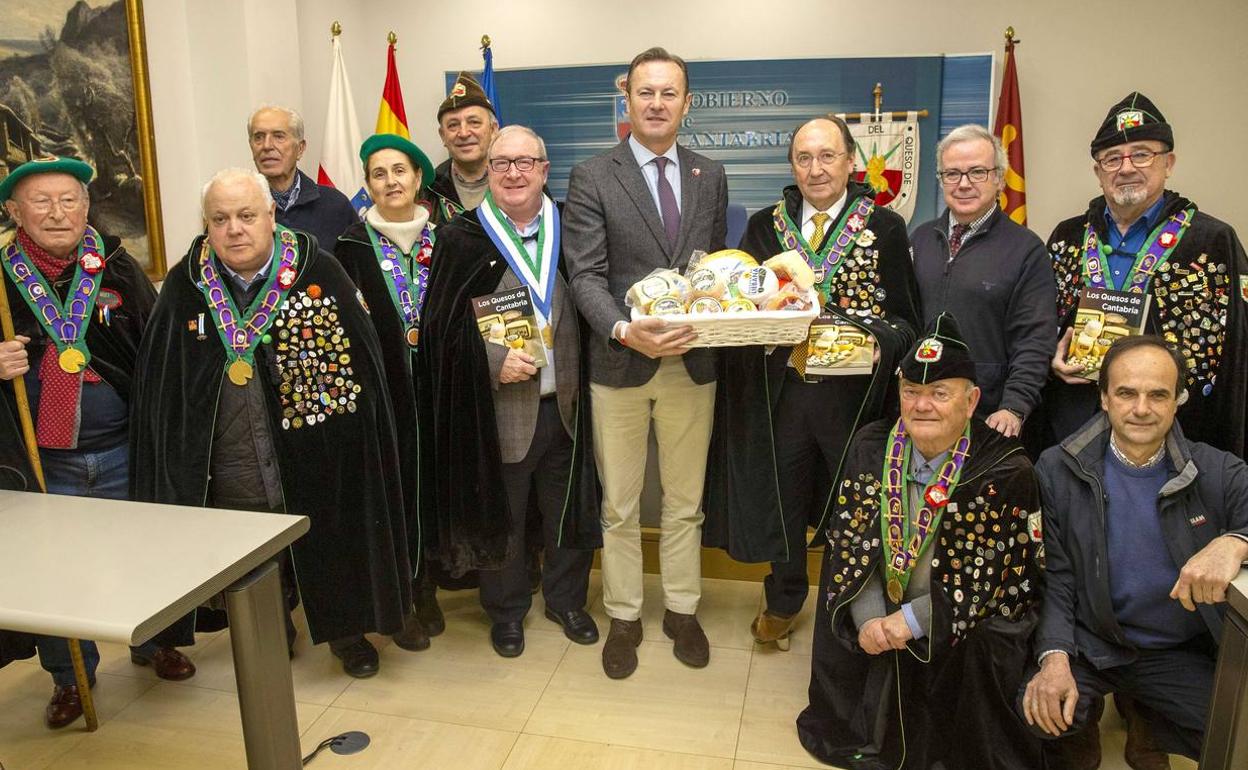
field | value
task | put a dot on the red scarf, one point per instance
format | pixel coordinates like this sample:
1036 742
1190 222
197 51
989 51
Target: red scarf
60 397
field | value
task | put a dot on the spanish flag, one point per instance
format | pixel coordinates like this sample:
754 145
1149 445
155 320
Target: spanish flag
1009 129
391 117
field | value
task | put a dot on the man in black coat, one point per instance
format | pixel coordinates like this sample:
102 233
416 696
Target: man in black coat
930 573
993 273
1140 237
505 422
1144 530
466 125
767 406
260 385
80 304
276 138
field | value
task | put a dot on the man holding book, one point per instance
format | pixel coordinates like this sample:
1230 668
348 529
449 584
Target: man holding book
504 396
1140 238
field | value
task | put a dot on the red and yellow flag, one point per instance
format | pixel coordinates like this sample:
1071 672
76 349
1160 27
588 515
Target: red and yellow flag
1009 129
391 117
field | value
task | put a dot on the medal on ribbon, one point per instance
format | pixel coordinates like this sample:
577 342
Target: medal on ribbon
1156 252
904 541
240 335
65 323
537 272
831 253
405 283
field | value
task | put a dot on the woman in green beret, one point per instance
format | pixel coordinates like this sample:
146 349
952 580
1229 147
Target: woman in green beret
387 255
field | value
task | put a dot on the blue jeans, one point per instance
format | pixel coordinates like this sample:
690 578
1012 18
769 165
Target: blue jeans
85 474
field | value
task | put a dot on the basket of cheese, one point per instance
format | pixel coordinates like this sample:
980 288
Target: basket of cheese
729 299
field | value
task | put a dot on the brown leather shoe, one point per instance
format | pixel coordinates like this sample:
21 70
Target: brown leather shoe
773 628
168 663
1081 750
1141 752
691 647
619 653
64 708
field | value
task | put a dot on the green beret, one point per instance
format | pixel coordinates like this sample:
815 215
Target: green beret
49 164
406 146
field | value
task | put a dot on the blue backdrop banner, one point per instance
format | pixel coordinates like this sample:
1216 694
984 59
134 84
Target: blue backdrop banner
744 112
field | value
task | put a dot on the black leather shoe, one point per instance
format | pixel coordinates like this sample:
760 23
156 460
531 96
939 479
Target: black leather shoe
413 637
359 658
428 612
577 625
508 639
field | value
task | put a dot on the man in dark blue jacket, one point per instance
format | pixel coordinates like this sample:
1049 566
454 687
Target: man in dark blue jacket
994 274
1144 530
276 138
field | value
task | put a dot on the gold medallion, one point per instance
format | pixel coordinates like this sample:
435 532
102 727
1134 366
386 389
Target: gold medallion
72 361
894 590
240 372
413 336
548 337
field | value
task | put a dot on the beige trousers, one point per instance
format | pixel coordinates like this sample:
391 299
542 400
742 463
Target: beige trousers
682 412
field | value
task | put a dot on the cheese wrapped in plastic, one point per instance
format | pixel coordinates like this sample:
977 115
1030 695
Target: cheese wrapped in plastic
788 298
757 284
727 263
789 264
659 283
705 282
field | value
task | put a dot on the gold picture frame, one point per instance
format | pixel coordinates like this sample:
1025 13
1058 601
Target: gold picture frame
74 82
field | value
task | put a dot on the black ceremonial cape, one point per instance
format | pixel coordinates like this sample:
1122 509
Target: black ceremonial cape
956 686
742 495
1199 303
354 251
458 428
15 474
343 473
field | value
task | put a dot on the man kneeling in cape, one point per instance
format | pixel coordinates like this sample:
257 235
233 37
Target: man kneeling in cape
260 386
929 575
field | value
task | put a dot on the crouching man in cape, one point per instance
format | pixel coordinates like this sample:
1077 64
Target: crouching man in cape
260 386
929 575
497 422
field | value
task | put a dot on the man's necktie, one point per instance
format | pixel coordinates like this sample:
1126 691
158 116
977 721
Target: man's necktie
667 203
798 356
955 239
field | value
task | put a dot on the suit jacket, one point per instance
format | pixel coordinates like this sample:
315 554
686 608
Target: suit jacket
613 236
516 403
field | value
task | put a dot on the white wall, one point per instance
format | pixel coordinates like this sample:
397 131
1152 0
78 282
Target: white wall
211 60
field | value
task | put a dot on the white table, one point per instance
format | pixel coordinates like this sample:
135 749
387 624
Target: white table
134 568
1226 736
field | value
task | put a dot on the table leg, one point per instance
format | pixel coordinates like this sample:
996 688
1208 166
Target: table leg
84 685
266 694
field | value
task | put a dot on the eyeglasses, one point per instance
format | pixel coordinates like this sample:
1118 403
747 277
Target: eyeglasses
827 158
68 203
951 177
523 165
1139 159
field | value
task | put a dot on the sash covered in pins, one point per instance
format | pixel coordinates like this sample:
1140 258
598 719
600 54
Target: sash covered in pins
825 260
241 336
1156 251
406 283
66 324
904 544
539 273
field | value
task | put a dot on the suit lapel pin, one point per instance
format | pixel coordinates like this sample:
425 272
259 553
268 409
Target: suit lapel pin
697 171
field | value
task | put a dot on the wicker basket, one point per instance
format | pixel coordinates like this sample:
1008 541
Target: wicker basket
762 327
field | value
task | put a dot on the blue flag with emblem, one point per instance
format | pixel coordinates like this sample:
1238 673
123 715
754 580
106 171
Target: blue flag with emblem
487 77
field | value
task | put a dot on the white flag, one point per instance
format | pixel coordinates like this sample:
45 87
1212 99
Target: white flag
888 159
340 165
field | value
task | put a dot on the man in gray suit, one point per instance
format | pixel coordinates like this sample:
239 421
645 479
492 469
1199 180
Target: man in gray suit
533 435
646 204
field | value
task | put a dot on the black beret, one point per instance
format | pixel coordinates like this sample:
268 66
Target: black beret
1133 119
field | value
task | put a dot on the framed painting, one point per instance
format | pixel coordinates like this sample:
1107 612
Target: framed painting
73 81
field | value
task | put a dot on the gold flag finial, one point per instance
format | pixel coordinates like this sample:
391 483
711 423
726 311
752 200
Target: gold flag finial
392 38
878 93
335 29
485 41
1010 40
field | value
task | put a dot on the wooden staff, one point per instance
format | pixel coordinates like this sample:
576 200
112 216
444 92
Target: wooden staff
32 454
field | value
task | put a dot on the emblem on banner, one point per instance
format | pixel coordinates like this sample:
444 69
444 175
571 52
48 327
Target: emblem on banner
888 158
623 127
